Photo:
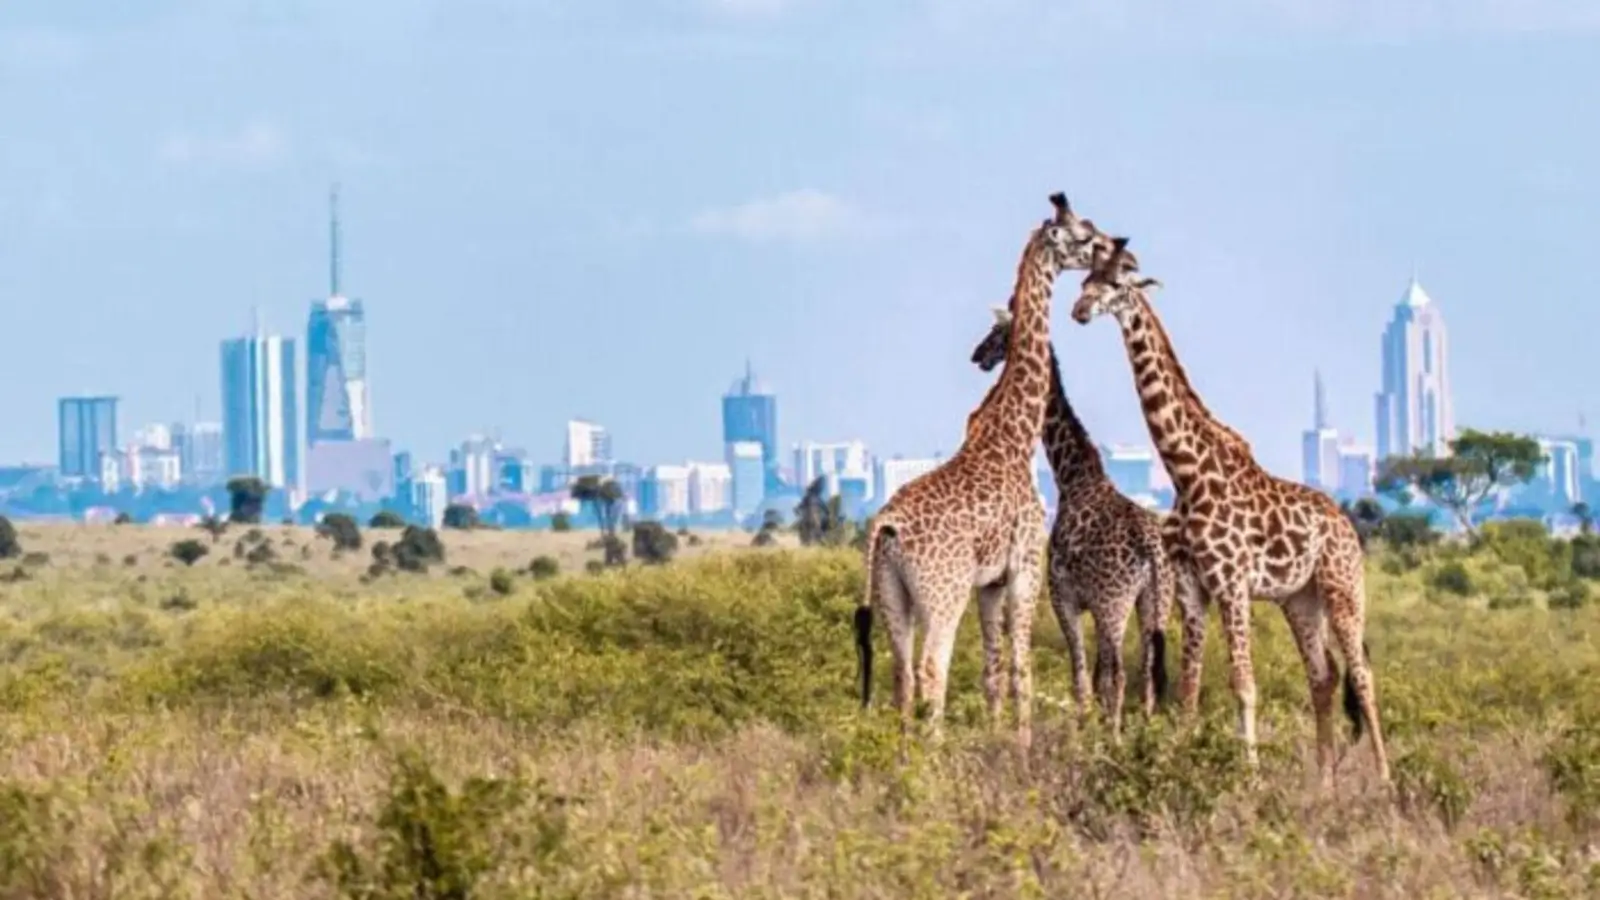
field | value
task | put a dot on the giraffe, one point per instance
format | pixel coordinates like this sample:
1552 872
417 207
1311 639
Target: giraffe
976 521
1107 553
1247 533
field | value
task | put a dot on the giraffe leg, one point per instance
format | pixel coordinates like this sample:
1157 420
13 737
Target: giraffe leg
991 610
1111 626
1234 599
1304 612
1069 615
894 604
938 646
1191 607
1021 596
1347 615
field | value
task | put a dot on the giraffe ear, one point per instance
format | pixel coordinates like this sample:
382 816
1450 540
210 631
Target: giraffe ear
1002 315
1147 283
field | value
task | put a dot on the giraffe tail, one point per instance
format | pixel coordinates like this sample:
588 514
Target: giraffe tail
863 620
1352 699
1158 665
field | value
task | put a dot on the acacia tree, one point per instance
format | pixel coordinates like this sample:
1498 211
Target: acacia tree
811 514
604 498
1480 463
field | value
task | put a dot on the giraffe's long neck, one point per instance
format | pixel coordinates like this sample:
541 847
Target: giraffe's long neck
1184 431
1013 412
1072 455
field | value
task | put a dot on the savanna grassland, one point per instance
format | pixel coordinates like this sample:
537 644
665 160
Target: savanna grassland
284 724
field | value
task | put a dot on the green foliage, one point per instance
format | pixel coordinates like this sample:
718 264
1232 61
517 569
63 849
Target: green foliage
542 567
31 837
122 518
247 495
653 544
1156 772
1572 763
1427 781
187 551
417 549
560 522
387 518
341 529
1452 577
1586 556
433 843
1406 531
460 516
502 582
1479 463
1572 595
604 499
214 526
10 547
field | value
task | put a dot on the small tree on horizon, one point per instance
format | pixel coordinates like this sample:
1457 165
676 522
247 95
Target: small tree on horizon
1480 463
247 495
604 499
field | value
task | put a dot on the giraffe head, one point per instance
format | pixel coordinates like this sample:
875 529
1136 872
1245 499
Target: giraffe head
1066 241
1111 286
991 351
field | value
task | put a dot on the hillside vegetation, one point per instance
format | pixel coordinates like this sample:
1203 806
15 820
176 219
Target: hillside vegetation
296 726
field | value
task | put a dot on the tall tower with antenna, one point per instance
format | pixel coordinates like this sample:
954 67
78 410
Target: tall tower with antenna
337 407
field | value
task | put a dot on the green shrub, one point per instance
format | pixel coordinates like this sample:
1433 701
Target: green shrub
543 567
502 582
1452 577
432 842
1428 782
188 551
10 547
1574 594
341 529
387 518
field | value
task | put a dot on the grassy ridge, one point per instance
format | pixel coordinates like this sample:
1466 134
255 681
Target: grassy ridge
690 730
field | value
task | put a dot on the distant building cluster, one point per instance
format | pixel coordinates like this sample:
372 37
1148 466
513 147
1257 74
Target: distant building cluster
317 449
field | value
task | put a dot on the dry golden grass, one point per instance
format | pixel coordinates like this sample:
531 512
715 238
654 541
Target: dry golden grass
690 731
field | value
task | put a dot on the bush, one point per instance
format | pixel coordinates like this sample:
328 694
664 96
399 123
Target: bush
10 547
1407 530
122 519
543 567
341 529
1526 544
653 543
1586 556
417 549
387 518
560 521
1452 577
460 516
502 582
188 551
1574 594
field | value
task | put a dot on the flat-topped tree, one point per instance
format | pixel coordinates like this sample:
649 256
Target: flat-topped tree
1248 532
1480 463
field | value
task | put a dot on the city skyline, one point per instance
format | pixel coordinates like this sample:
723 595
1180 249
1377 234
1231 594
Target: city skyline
869 208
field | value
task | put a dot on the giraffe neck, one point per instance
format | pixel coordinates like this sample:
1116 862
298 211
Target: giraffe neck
1013 411
1072 455
1184 432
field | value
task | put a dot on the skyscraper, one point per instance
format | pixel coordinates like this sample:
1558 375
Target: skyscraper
336 356
258 403
588 444
750 413
1414 411
88 428
1320 444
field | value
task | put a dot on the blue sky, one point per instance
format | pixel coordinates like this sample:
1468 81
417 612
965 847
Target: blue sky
600 208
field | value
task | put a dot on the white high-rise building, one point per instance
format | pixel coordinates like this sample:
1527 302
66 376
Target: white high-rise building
259 409
1356 470
430 495
842 459
710 487
1559 474
1414 412
588 444
894 474
201 451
